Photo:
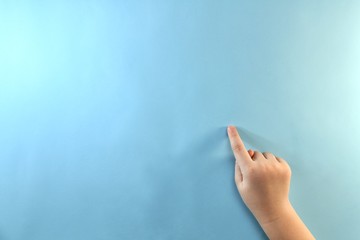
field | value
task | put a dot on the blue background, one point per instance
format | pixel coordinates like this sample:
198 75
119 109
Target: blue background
113 115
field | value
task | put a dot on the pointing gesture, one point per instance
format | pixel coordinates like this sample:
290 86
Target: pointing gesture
243 157
263 181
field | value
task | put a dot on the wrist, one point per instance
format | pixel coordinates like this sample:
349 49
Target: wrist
274 215
286 224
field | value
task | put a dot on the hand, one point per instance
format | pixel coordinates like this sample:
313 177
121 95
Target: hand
263 181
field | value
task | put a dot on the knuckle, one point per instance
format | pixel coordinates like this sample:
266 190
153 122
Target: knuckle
237 148
258 155
289 171
287 165
286 172
268 154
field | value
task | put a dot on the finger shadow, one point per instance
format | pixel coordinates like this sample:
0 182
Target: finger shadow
262 144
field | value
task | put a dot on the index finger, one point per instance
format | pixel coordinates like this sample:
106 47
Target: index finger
240 152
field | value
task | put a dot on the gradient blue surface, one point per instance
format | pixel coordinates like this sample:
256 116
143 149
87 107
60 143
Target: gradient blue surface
113 115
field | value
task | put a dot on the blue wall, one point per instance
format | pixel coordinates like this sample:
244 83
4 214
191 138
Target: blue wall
113 115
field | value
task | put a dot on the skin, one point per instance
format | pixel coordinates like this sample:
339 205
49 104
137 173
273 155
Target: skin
263 182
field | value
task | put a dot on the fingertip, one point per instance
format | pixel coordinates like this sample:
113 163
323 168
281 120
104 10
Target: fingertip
280 160
232 131
257 155
230 128
251 152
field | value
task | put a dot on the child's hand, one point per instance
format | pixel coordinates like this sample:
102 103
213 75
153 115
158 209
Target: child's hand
263 180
